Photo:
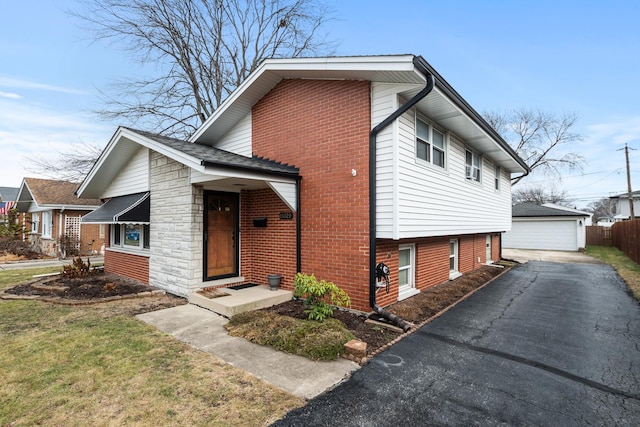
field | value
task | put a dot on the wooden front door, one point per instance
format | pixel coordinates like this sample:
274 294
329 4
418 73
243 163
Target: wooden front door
221 235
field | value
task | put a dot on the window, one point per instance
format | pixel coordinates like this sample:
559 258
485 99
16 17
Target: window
472 166
35 222
115 235
130 236
497 178
430 144
405 271
453 256
46 224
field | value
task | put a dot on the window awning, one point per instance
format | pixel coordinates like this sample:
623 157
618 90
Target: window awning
129 209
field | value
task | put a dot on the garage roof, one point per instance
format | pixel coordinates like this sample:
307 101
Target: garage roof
535 210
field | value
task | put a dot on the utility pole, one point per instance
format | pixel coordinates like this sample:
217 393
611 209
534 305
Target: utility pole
629 191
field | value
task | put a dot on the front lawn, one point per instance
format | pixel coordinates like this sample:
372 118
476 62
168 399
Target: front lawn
627 269
98 365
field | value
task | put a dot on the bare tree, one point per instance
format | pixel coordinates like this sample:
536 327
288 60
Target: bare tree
202 50
70 165
602 208
539 195
539 138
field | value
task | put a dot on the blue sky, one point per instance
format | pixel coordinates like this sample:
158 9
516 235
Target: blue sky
578 56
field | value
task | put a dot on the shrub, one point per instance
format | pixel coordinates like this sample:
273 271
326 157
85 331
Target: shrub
316 293
79 268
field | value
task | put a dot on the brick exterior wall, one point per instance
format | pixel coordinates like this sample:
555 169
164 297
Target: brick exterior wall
322 127
432 260
128 265
266 250
470 249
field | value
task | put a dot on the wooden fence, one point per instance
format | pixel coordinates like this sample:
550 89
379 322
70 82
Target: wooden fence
598 236
625 236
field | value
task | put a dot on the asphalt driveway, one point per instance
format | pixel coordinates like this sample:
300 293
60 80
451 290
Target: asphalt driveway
545 344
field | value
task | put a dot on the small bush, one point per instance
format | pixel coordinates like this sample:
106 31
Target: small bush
79 268
313 340
316 293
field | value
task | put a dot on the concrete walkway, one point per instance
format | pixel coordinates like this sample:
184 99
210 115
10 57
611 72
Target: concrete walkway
524 255
39 263
204 330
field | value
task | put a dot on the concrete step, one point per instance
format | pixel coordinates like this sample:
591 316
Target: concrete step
228 302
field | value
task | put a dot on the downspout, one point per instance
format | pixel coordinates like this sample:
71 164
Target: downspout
373 135
298 228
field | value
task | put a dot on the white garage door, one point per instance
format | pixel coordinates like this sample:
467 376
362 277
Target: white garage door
550 235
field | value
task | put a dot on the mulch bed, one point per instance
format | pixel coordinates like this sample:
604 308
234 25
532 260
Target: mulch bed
416 309
96 286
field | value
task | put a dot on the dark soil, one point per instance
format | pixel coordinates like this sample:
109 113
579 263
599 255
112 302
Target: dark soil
95 286
416 309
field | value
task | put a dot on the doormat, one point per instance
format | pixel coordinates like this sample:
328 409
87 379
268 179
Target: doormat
244 286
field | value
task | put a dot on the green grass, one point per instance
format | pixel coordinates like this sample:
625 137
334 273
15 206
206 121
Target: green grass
12 277
626 268
94 365
314 340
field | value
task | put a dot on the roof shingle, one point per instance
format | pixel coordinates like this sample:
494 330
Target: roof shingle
52 192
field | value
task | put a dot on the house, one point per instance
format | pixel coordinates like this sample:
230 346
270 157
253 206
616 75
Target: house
53 215
8 197
315 165
606 221
546 227
623 208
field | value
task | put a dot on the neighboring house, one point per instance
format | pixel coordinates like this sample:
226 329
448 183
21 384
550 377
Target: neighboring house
316 165
52 219
606 221
8 196
623 210
547 227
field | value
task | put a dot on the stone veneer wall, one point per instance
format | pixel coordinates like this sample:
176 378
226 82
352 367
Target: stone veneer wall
176 226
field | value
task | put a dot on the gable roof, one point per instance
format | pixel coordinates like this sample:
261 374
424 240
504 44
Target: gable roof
125 142
51 194
9 194
535 210
443 104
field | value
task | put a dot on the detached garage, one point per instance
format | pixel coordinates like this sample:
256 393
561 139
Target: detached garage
546 227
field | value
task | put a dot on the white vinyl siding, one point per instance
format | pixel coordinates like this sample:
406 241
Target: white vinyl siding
134 177
238 139
420 200
384 102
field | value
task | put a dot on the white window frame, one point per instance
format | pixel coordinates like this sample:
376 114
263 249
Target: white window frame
473 170
117 238
453 273
47 224
497 174
409 289
430 146
35 222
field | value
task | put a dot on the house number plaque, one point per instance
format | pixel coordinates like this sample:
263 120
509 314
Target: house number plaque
286 215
